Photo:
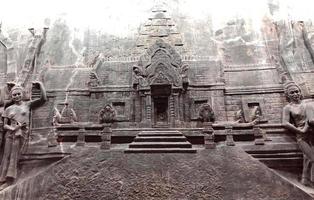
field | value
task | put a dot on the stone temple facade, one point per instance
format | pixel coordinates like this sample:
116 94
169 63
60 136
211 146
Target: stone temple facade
163 100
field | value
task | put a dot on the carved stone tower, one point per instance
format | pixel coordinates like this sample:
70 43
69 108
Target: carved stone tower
159 26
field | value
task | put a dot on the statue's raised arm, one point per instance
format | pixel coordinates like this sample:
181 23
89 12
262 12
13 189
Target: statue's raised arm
43 96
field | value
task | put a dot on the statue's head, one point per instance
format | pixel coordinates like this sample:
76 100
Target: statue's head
17 93
108 107
292 91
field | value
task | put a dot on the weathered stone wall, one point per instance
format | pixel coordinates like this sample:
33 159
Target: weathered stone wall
65 78
70 83
117 73
271 105
306 81
262 75
204 72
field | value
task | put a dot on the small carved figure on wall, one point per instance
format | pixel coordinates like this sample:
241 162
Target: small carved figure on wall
93 80
107 114
240 120
139 77
16 124
239 116
184 73
67 115
206 113
298 118
255 114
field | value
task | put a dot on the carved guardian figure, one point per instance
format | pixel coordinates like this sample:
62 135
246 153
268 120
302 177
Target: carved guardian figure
16 124
298 117
107 114
206 113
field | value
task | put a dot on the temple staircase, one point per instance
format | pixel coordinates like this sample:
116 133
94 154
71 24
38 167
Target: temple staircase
160 142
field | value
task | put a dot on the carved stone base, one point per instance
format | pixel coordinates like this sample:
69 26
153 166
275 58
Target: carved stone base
209 137
229 136
145 124
52 138
81 138
259 140
229 140
106 137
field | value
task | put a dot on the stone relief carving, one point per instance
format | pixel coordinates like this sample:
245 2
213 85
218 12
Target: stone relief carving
298 117
32 57
67 115
206 113
161 62
93 80
239 116
107 114
139 77
16 124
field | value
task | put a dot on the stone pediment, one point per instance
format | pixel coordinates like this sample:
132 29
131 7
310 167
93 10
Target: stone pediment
161 64
160 79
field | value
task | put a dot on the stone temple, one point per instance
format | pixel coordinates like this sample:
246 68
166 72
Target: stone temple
164 123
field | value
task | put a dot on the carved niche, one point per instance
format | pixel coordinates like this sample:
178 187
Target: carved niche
160 65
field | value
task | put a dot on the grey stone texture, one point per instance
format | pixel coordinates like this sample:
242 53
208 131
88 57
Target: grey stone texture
160 86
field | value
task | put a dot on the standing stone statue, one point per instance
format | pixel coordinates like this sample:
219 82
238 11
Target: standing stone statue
16 124
298 117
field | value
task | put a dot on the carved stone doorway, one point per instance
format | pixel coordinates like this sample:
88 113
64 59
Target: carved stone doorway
160 108
161 112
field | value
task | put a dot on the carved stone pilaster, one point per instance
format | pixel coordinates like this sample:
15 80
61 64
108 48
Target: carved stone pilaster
229 136
52 138
177 106
258 134
81 137
106 136
146 110
209 137
172 111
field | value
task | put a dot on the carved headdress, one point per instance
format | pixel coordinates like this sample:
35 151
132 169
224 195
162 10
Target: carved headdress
16 87
289 84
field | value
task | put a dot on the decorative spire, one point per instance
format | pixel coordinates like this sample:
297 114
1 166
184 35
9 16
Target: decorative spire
159 25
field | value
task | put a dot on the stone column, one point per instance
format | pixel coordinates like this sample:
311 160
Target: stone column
229 136
172 111
209 136
106 136
137 108
176 109
148 100
142 107
258 134
81 137
52 138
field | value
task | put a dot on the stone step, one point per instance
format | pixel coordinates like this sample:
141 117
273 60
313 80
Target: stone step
160 133
160 139
283 139
279 155
161 150
160 145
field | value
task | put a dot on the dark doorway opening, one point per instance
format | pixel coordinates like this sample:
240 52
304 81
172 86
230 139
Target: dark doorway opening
161 111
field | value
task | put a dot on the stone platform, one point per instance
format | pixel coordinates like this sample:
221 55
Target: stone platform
90 173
